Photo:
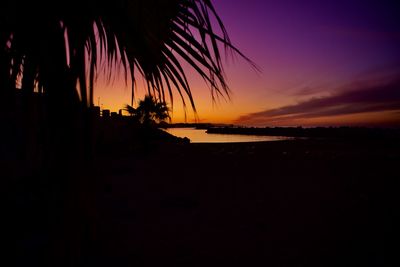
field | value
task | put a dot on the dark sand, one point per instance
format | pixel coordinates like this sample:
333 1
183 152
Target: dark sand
284 203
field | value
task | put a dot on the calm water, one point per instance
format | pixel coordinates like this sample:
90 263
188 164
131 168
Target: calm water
200 136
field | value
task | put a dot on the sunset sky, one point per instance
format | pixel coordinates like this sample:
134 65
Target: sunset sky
328 63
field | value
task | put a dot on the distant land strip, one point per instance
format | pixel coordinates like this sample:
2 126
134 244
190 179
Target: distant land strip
323 132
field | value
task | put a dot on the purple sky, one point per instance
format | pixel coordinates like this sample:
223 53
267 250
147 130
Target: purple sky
310 48
306 49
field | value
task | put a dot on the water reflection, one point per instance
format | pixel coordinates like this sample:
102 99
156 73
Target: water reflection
200 136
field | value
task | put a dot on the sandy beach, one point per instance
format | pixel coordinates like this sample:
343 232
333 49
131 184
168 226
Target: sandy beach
284 203
309 202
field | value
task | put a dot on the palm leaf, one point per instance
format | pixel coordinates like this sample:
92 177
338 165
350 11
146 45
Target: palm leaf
146 36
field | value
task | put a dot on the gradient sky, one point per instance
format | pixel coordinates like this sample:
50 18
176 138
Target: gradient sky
331 62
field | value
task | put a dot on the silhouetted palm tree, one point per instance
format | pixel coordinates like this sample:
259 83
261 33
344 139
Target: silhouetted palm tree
55 48
150 111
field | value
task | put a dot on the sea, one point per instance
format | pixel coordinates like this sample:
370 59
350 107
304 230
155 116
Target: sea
200 136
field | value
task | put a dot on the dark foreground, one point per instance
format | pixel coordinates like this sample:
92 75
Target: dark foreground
286 203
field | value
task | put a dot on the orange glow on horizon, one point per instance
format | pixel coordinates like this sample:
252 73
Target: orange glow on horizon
116 95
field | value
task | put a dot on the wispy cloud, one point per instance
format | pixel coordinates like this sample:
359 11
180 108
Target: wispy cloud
356 98
307 91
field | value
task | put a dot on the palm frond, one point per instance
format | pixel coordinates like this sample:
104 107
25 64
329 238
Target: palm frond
151 37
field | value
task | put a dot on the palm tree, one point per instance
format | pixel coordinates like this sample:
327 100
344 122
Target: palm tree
150 111
56 49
